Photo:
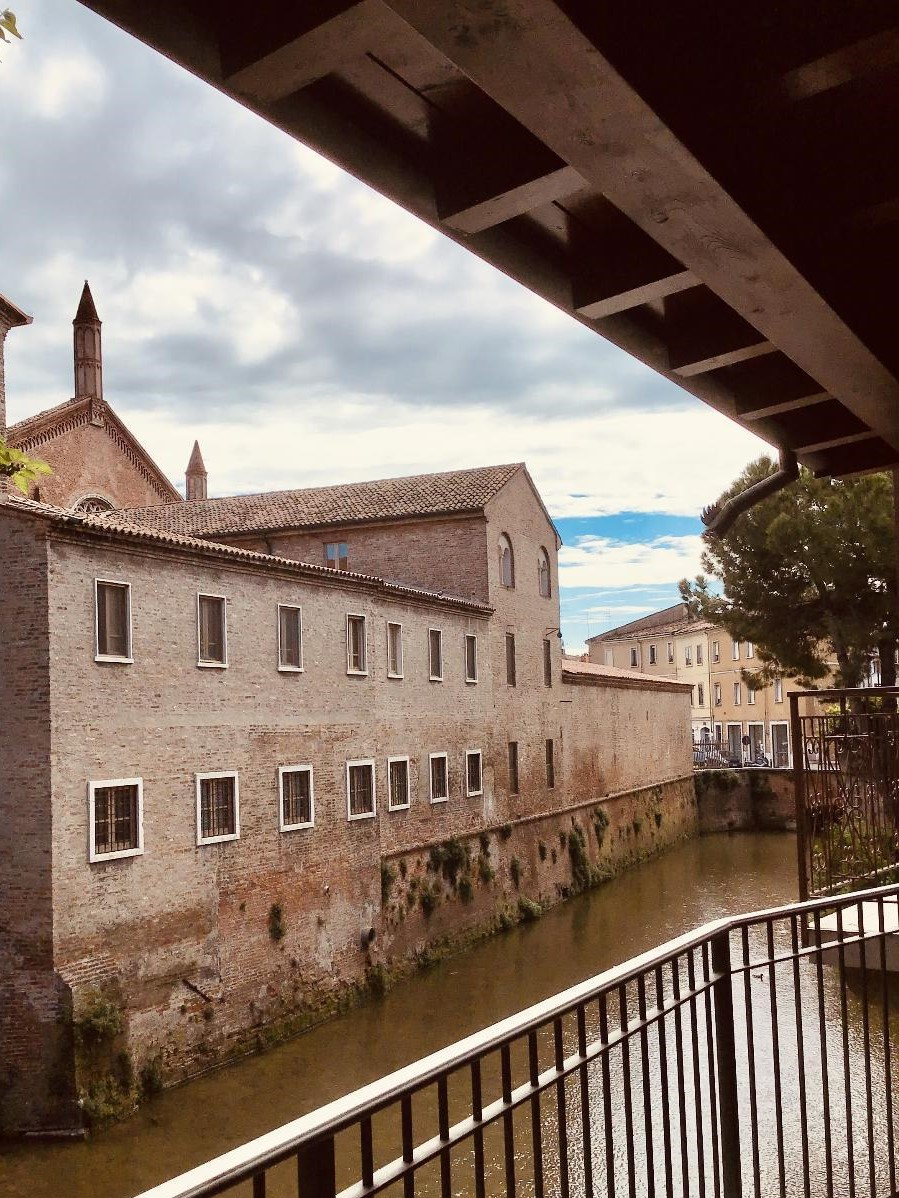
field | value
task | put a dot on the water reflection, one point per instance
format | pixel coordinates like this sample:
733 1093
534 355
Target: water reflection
688 886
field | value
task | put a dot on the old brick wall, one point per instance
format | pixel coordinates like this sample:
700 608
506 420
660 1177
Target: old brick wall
35 1056
90 459
745 800
446 555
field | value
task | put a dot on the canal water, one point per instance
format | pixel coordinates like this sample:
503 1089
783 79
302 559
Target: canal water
691 884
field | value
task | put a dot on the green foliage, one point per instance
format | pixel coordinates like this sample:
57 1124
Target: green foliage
106 1100
450 859
808 576
100 1021
429 898
528 910
404 869
506 919
486 872
637 825
600 823
376 980
466 889
18 467
577 855
484 840
515 872
276 926
388 877
150 1078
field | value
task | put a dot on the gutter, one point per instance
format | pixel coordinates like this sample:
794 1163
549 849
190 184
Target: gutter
718 521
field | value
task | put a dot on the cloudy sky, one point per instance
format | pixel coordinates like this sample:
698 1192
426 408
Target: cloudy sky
307 331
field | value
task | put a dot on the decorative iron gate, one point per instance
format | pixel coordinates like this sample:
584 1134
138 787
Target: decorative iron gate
847 790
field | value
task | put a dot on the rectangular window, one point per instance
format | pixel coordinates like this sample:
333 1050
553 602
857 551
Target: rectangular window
336 555
290 638
397 783
356 660
688 655
778 690
394 650
471 658
671 653
652 655
750 695
513 767
550 764
474 774
699 655
439 771
750 649
716 651
737 693
692 696
633 657
609 656
510 658
116 819
297 800
218 808
547 661
113 619
435 654
717 694
360 789
735 650
700 693
212 634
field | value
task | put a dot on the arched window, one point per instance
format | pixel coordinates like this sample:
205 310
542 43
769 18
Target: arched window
543 573
92 504
506 562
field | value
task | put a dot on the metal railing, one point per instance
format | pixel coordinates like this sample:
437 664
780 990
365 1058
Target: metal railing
847 790
733 1060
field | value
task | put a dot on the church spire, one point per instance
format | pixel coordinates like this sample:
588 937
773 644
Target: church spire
195 475
88 354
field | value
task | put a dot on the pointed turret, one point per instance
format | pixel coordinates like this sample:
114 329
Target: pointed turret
88 353
195 475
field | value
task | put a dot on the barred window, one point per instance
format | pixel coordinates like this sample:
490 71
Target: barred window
217 808
474 774
116 818
297 804
398 783
290 638
360 789
113 608
211 632
439 778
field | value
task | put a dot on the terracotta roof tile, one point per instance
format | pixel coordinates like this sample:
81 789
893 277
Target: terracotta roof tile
350 503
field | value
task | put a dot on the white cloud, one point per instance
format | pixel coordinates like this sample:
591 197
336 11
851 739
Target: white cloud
67 84
595 561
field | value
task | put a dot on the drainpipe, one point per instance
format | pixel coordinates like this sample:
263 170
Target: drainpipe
719 520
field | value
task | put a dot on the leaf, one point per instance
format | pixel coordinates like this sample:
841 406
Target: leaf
8 22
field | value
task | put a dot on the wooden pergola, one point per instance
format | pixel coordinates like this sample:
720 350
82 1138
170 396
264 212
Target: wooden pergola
712 187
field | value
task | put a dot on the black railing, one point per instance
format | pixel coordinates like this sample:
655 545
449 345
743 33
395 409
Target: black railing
847 790
754 1055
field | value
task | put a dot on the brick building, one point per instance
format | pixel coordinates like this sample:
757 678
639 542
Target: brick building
238 734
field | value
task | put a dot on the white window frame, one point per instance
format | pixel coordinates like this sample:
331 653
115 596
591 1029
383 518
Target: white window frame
749 649
738 695
127 659
471 636
399 627
442 798
750 695
786 725
670 646
716 694
634 656
699 653
716 651
438 676
391 806
470 794
778 690
700 695
295 769
688 655
92 855
213 665
349 668
370 762
287 669
735 650
235 835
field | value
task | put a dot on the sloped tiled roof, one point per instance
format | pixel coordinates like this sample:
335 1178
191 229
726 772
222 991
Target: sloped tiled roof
115 524
670 620
351 503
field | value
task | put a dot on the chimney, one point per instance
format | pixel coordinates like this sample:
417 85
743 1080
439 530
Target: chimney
195 475
88 354
11 317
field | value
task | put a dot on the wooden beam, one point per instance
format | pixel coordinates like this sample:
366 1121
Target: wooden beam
624 285
862 457
760 408
842 66
470 202
703 334
825 425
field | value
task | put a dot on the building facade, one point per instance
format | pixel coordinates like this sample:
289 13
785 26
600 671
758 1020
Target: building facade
244 736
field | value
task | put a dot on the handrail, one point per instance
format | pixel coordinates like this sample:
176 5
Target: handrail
283 1142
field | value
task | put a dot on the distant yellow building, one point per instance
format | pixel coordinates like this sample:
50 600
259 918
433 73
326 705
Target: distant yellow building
745 724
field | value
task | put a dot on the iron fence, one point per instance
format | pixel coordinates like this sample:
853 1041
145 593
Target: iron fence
847 790
751 1056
